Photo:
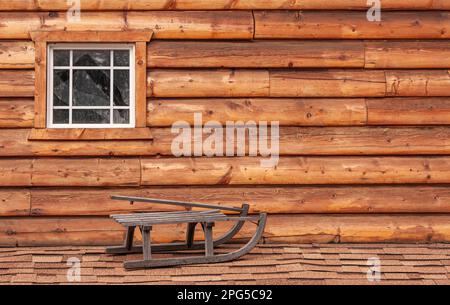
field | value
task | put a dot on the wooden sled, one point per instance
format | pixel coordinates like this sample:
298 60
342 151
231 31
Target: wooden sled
207 219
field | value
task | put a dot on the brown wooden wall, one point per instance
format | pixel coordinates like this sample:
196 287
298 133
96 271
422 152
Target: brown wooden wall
364 109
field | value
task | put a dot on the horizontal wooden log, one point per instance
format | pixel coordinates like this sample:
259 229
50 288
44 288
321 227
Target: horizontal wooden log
256 54
15 202
408 111
308 112
417 83
94 5
16 83
85 172
270 54
351 25
331 83
264 83
40 231
261 83
16 55
293 141
223 171
208 83
16 113
405 54
165 25
274 200
69 172
292 170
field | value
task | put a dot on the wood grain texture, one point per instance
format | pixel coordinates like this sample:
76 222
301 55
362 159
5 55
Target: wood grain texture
308 112
16 55
280 228
274 200
223 171
15 202
351 25
207 83
166 25
85 172
40 85
417 83
16 83
408 111
293 141
94 5
405 54
296 170
396 54
327 83
16 112
265 83
256 54
17 144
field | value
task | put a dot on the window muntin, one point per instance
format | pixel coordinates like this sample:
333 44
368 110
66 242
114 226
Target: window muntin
91 86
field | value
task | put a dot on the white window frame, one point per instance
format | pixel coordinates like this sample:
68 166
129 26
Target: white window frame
91 46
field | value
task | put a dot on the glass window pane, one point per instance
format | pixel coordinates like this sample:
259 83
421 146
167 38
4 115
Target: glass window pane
91 57
61 87
90 116
122 58
121 116
91 87
60 116
121 87
61 57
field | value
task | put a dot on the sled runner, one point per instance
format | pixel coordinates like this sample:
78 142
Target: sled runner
207 219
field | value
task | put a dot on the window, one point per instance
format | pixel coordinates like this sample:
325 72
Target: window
90 86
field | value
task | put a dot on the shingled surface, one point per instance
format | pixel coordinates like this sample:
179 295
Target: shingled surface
266 264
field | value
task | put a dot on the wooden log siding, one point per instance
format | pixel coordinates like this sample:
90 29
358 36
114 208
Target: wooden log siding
271 54
165 25
351 25
280 228
263 83
293 141
16 113
223 171
291 170
94 5
337 83
308 112
275 200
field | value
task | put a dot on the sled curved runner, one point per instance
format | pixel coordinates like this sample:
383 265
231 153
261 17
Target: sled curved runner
207 219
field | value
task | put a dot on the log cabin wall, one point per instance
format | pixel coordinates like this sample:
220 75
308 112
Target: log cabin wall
364 110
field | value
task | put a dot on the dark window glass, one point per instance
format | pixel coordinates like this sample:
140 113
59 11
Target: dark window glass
90 116
121 116
121 87
91 87
91 58
61 87
122 58
61 57
60 116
